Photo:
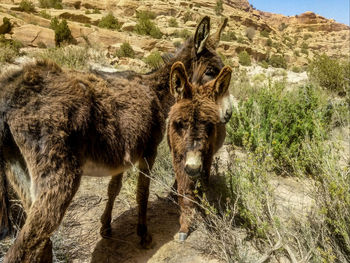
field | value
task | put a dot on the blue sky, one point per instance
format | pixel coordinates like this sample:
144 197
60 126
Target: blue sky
336 9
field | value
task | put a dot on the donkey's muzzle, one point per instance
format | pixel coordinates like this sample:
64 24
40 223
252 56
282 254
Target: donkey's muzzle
227 116
193 165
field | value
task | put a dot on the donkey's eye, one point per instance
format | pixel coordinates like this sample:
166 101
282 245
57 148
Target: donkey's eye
179 125
210 72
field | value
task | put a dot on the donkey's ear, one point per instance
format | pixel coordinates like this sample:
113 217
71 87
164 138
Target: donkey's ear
180 87
202 34
222 82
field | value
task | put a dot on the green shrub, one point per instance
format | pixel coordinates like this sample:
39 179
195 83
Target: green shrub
296 53
277 123
328 73
26 6
269 42
265 33
9 49
172 22
188 16
229 36
278 61
219 7
250 33
184 33
126 50
146 15
44 14
307 36
145 26
282 27
62 32
244 58
177 44
264 64
110 22
296 69
87 12
96 11
154 60
304 51
57 4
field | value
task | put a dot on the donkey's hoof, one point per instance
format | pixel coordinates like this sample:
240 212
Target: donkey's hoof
146 241
182 236
106 231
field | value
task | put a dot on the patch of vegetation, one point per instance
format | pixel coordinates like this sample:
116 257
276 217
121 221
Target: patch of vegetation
44 14
264 64
177 44
219 8
188 16
172 22
296 69
229 36
184 33
307 36
244 58
57 4
76 17
63 35
125 50
278 61
77 4
9 49
269 42
26 6
145 26
296 53
109 22
146 15
154 60
265 33
329 73
250 33
282 26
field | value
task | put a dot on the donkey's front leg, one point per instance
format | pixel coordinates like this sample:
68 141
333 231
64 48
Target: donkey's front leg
145 166
55 186
114 187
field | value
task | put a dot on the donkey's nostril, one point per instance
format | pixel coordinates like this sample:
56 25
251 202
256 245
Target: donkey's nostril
193 170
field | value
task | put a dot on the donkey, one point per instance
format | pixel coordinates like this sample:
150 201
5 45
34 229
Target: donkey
56 126
194 132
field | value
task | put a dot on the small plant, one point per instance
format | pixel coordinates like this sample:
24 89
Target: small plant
269 42
282 26
9 49
172 22
110 22
62 32
229 36
57 4
77 4
296 53
26 6
154 60
44 14
307 36
250 33
87 12
265 33
219 7
264 64
296 69
145 26
96 11
177 44
304 51
244 58
146 15
328 73
278 61
188 16
125 50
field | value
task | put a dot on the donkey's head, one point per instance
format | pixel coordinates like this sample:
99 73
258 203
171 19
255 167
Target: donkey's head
194 119
201 50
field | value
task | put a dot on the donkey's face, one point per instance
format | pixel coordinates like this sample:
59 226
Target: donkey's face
194 119
202 50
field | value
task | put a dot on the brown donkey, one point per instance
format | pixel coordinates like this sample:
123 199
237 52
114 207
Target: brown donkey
56 126
194 132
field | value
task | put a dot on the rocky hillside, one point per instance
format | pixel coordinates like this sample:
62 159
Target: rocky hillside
296 39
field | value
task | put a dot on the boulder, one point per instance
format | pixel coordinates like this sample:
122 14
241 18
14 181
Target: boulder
31 35
128 26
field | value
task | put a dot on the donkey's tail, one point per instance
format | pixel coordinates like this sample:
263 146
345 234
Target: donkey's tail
5 224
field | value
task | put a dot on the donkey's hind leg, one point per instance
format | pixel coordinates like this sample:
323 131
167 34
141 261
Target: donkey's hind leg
114 187
55 185
145 166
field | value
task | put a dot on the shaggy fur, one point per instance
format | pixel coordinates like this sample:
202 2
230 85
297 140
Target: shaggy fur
55 123
194 126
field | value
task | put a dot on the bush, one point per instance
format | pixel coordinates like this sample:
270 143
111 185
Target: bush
26 6
126 50
184 33
278 61
250 33
172 22
146 15
269 42
307 36
145 26
96 11
328 73
154 60
296 69
57 4
264 64
62 32
110 22
265 33
296 53
44 14
229 36
280 121
9 49
188 16
282 27
244 58
219 7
